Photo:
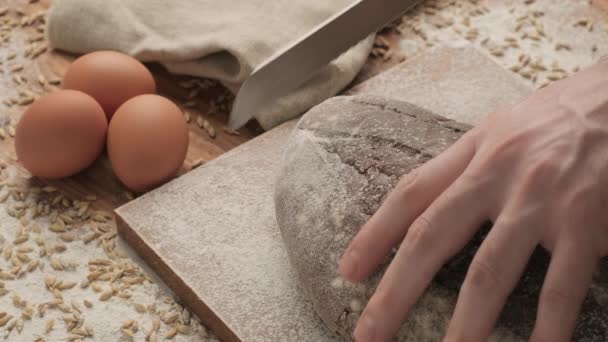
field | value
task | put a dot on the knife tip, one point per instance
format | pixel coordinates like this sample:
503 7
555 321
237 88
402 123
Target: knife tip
234 123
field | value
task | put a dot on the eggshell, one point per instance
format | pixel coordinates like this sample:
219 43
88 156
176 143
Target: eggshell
60 134
147 141
110 77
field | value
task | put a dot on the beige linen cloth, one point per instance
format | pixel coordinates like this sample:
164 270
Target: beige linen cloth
219 39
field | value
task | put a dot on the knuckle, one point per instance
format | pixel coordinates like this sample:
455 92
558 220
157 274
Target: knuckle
542 175
544 336
383 302
476 178
537 337
472 137
579 193
496 115
471 178
482 276
408 183
505 149
382 299
511 144
457 336
421 234
547 167
554 299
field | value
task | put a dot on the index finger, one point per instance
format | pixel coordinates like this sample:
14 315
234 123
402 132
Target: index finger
414 193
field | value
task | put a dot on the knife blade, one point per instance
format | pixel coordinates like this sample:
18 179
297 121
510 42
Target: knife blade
298 62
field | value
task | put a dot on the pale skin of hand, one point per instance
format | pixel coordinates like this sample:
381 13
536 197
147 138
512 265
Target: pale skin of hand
539 172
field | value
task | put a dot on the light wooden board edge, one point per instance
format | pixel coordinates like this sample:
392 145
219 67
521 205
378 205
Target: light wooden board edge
174 282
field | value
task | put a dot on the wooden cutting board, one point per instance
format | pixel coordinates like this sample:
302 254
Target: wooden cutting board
211 234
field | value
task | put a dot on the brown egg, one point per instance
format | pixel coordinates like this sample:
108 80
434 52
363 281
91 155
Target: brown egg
147 141
60 134
110 77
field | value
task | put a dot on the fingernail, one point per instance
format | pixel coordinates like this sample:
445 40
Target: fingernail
348 264
366 329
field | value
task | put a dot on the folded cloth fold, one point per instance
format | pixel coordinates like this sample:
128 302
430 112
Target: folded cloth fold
223 40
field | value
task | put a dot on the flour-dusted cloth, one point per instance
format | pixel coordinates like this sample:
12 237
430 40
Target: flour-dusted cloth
223 40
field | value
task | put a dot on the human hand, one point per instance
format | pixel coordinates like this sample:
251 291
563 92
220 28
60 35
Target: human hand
539 171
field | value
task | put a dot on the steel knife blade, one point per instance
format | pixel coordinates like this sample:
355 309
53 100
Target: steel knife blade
292 66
